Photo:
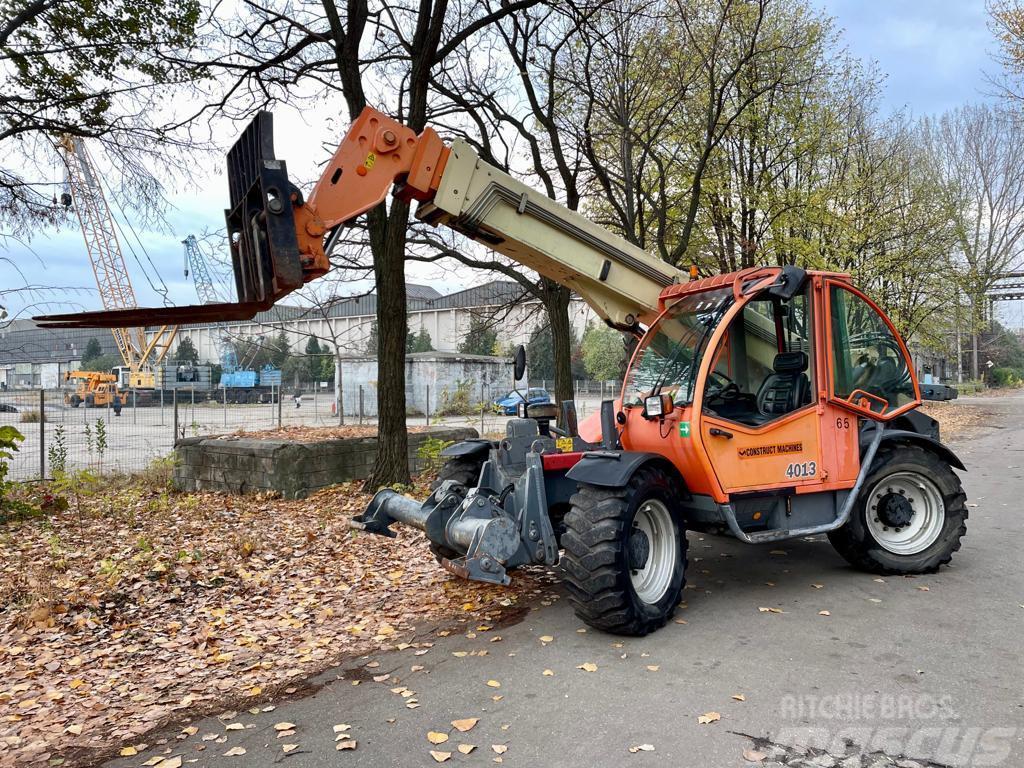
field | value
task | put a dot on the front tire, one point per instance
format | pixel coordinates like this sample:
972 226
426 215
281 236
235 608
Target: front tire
625 553
910 517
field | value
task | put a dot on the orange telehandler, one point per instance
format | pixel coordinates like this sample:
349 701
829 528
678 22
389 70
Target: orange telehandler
765 404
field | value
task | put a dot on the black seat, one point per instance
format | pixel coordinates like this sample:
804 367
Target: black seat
787 388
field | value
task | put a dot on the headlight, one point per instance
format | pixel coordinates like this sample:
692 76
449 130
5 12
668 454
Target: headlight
653 406
658 406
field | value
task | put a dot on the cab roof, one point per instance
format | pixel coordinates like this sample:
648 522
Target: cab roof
742 277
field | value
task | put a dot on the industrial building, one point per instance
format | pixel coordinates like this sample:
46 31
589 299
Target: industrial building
33 357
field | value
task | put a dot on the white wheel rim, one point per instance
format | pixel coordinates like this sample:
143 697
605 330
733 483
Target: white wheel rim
652 581
923 528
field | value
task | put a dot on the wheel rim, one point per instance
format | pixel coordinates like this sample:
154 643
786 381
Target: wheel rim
905 513
653 522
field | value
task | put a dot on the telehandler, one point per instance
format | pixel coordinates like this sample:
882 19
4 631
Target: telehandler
766 404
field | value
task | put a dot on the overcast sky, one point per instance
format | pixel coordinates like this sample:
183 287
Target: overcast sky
935 54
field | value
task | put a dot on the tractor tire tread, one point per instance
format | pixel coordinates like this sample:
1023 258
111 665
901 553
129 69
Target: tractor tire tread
593 562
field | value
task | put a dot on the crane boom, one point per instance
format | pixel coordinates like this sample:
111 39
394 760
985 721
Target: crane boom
277 235
108 265
200 272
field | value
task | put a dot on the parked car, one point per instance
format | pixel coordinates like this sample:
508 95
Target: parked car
6 408
507 405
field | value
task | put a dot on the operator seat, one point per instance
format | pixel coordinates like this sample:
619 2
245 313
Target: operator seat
787 389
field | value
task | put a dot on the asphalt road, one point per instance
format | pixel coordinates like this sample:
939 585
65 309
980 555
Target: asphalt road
918 671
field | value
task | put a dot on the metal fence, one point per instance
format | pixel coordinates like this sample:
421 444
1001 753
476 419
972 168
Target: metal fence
61 436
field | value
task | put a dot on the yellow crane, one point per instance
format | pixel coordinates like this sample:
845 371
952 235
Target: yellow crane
115 287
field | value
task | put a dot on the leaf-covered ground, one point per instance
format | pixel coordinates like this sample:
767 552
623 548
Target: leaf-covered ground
144 607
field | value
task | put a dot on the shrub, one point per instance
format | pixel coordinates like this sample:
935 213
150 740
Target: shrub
9 439
429 455
1007 377
29 417
459 402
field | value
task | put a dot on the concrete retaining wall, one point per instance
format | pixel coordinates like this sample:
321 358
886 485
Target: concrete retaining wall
295 469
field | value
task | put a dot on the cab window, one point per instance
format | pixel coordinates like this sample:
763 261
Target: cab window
763 369
868 364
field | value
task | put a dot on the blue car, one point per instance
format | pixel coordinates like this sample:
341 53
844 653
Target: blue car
507 405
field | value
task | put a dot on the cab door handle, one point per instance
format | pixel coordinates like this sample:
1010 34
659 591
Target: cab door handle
716 432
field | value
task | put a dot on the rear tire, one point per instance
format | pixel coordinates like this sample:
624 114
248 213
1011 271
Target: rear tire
608 532
465 470
910 517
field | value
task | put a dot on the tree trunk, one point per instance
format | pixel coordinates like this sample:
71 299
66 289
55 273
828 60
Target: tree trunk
556 303
388 235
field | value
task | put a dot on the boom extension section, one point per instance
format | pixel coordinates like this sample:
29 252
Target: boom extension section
277 236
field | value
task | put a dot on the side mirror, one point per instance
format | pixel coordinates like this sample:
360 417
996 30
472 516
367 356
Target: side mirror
519 364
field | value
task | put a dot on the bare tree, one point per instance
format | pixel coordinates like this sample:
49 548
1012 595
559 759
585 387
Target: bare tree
980 153
384 54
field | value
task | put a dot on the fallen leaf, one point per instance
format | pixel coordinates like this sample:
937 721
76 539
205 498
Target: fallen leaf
497 698
925 589
494 684
284 726
642 748
286 748
753 755
680 621
234 727
440 757
824 613
653 667
708 717
778 552
340 727
170 762
285 734
818 586
466 748
501 749
548 673
343 745
74 729
190 730
235 752
128 752
436 737
874 600
739 697
587 667
546 638
465 725
769 610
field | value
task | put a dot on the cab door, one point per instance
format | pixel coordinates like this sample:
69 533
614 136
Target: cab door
870 372
765 421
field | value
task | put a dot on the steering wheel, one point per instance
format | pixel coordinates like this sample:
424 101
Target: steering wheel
724 388
890 373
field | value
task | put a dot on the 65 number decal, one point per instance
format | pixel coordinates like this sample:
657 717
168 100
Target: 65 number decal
806 469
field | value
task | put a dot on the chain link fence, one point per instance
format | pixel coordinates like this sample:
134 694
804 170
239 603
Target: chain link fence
60 435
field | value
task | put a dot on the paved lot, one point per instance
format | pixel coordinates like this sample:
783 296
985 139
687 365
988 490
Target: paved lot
926 670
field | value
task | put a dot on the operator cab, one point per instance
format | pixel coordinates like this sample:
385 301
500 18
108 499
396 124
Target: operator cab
764 367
